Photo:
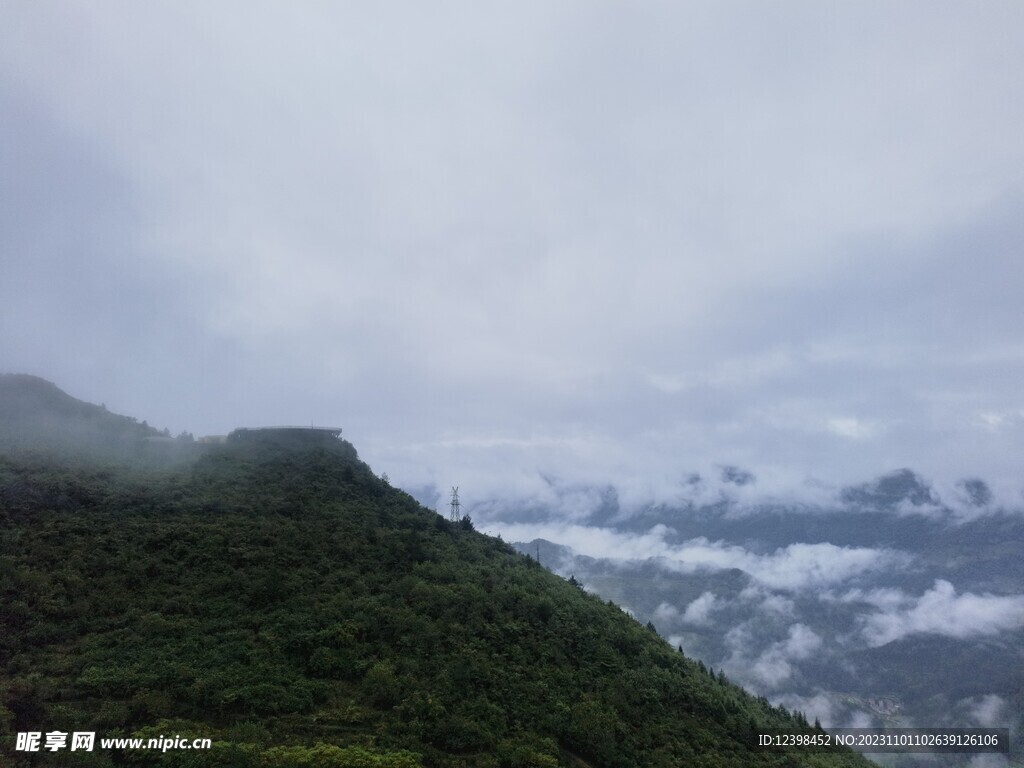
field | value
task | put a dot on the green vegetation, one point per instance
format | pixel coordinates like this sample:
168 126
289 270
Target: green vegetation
283 601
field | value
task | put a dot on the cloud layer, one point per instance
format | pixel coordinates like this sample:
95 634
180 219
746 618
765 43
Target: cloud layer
609 244
794 567
939 610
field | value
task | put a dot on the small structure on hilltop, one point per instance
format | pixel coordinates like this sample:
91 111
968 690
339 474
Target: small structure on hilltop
292 435
455 514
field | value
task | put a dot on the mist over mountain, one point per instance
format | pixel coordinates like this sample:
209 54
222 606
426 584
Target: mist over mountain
885 607
562 267
271 593
35 413
891 600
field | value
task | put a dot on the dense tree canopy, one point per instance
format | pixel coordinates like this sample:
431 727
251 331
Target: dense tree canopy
284 601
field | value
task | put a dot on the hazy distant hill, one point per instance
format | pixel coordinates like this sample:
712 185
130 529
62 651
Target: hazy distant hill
282 600
36 414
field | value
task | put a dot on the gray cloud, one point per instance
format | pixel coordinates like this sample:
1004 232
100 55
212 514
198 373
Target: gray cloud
614 245
666 612
772 665
767 601
987 711
794 567
699 611
939 610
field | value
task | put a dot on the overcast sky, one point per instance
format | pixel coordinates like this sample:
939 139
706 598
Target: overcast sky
498 243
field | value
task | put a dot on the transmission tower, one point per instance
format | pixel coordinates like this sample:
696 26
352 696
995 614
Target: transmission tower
455 515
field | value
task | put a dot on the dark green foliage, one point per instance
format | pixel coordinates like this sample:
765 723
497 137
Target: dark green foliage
288 603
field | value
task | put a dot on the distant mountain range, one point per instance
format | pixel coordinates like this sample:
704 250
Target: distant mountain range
883 609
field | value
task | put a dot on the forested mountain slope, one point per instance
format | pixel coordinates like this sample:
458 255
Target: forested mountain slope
281 599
